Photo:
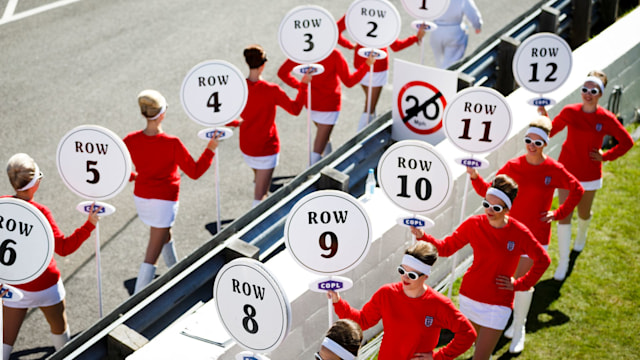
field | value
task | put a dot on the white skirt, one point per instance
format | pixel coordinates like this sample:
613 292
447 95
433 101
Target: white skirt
35 299
325 117
262 162
592 185
155 212
380 79
487 315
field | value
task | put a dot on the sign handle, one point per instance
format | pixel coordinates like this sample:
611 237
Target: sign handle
455 256
98 271
309 143
330 307
422 51
369 90
2 322
218 226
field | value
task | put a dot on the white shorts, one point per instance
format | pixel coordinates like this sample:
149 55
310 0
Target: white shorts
380 79
592 185
487 315
155 212
325 117
546 248
35 299
262 162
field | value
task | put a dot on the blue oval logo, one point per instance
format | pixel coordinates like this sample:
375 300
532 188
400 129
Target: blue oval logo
213 133
541 102
330 285
413 222
88 209
471 163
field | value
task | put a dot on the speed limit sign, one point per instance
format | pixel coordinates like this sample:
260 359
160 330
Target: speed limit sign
414 176
93 162
373 23
26 242
478 120
252 305
328 232
542 63
214 93
308 34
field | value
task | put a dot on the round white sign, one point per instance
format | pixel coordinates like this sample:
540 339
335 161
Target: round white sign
93 162
414 176
252 305
214 93
328 232
478 120
308 34
26 242
86 207
542 63
425 9
373 23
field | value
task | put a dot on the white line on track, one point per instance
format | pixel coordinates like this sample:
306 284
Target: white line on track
9 16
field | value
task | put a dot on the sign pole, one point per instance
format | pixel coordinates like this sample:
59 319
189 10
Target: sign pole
455 256
98 267
309 144
369 91
218 227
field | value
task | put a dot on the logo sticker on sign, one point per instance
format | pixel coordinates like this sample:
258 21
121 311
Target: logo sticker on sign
93 162
414 176
328 232
252 305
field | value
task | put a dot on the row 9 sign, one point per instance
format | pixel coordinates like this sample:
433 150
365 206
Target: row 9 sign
26 242
93 162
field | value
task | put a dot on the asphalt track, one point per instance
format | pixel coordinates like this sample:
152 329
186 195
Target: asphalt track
70 63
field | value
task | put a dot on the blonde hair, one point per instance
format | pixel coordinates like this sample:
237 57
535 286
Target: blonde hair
151 102
423 251
543 123
21 169
599 74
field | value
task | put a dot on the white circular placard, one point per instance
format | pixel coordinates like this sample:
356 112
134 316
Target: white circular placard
417 221
335 283
252 305
328 232
26 242
414 176
93 162
316 69
12 294
106 209
473 162
478 120
377 53
373 23
542 63
223 133
308 34
214 93
425 9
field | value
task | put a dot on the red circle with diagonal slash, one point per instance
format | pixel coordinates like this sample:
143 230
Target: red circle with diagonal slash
401 110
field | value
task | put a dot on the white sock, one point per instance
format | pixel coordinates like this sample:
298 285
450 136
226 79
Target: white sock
6 351
169 253
60 339
145 276
365 119
327 149
315 157
581 235
255 203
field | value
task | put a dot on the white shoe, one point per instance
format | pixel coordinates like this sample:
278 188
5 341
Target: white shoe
169 253
145 276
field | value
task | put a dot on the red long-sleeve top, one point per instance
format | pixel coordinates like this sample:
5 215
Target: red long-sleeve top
585 132
63 246
412 325
326 92
258 131
157 160
379 65
496 251
536 185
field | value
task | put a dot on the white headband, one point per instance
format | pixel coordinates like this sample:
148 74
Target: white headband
416 264
335 348
536 130
501 195
33 181
596 80
162 110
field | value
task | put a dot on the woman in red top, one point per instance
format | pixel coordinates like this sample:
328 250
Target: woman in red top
157 158
47 291
587 124
259 140
412 313
537 176
326 95
498 241
380 69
